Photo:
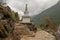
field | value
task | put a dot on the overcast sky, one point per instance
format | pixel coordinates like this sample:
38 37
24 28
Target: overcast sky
35 6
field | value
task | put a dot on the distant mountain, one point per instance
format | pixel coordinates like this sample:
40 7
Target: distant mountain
53 13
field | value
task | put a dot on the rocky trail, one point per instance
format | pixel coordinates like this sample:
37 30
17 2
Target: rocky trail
23 33
40 35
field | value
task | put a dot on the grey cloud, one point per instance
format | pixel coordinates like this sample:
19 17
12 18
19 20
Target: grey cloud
35 6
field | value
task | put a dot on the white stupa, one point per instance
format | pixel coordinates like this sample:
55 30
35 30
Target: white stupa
26 17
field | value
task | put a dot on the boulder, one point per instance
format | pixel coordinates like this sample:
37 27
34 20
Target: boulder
58 33
40 35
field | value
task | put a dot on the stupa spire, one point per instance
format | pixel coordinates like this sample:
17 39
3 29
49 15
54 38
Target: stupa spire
26 8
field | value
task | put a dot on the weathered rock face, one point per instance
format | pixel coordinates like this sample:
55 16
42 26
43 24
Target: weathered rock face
6 21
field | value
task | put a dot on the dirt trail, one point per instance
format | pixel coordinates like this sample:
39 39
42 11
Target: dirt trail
40 35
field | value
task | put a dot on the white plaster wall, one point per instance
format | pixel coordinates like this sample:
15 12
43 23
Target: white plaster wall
26 20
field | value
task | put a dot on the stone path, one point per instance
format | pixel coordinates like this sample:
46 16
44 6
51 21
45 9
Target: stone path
40 35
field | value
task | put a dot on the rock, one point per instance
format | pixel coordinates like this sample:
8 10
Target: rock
58 33
40 35
6 21
21 29
43 35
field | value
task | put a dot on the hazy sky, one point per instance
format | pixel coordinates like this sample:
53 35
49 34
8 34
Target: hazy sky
35 6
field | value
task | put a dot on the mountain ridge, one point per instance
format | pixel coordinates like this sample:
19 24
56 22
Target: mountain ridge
52 12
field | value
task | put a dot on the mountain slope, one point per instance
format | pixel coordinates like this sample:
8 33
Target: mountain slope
53 13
